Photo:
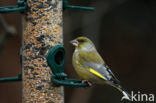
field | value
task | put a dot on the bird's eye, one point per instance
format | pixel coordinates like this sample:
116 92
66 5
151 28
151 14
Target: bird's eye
80 41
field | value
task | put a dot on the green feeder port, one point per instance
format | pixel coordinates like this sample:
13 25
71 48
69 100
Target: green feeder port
56 61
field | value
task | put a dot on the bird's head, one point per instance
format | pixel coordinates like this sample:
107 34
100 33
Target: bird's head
83 43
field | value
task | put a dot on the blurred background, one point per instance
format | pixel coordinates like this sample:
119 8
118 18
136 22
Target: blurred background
124 32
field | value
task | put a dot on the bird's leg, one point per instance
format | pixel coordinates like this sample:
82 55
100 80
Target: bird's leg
86 81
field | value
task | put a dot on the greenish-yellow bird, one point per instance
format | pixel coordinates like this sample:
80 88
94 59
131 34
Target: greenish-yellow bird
90 66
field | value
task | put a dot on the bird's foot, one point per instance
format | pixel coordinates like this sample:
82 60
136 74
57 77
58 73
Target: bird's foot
86 81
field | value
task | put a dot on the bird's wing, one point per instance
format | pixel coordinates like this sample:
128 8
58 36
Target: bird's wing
90 56
102 71
96 66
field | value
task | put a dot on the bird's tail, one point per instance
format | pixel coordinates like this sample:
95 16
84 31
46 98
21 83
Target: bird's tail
126 95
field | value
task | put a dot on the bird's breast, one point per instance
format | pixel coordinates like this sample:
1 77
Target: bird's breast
81 70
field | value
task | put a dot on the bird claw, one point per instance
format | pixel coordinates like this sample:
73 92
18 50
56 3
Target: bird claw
86 81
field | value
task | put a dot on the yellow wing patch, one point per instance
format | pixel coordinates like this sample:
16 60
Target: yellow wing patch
96 73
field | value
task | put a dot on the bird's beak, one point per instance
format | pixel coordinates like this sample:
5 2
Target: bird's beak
74 42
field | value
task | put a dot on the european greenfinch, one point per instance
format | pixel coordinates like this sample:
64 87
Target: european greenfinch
90 66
